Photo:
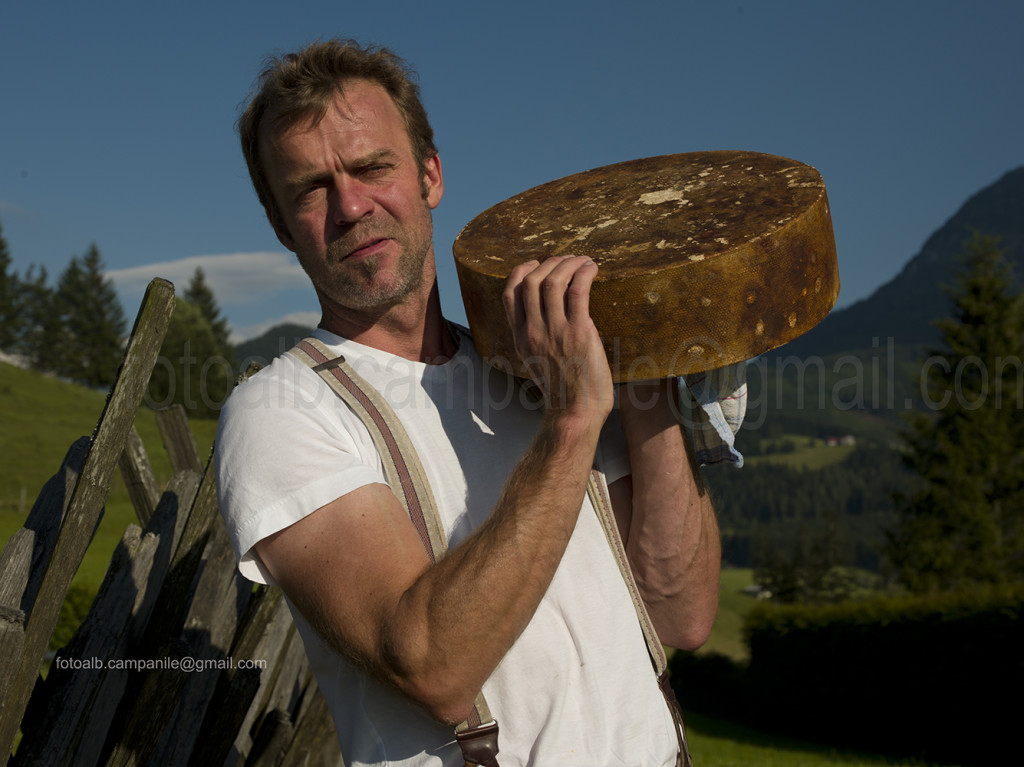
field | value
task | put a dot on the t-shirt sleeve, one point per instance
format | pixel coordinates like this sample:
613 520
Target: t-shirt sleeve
286 446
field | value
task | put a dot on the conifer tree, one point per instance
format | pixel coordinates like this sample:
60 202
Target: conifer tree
92 322
39 325
200 294
965 523
190 370
10 320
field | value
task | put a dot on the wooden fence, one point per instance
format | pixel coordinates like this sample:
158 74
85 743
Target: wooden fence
180 661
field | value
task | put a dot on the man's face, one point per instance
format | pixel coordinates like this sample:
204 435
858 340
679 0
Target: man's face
354 205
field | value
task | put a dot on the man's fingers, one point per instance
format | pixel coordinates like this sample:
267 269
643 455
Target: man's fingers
548 306
511 296
577 300
547 289
541 298
559 286
543 291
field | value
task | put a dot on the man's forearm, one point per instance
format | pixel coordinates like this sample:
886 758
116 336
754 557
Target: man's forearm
456 622
672 535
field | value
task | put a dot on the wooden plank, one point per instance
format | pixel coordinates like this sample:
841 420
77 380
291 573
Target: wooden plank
225 715
273 738
282 692
87 500
315 743
168 524
186 559
219 601
237 694
124 689
293 673
118 691
15 562
139 479
181 560
47 515
143 726
178 440
68 724
12 641
267 634
203 516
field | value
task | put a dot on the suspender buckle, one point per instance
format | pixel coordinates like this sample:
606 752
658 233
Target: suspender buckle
480 744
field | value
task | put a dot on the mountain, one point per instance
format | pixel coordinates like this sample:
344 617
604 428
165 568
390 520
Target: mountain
904 308
863 368
273 343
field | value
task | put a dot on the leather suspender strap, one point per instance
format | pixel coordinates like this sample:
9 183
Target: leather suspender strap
478 734
597 489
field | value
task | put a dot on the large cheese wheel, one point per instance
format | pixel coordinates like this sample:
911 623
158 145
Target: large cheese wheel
706 258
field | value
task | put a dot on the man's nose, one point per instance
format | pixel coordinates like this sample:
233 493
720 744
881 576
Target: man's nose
351 201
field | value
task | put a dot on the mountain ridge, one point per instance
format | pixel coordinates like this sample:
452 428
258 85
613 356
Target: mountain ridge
905 307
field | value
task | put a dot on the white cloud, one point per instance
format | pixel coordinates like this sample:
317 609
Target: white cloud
235 278
14 210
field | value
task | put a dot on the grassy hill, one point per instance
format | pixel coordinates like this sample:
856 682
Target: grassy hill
41 418
733 606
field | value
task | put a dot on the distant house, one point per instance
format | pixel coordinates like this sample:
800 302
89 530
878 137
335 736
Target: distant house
757 592
847 440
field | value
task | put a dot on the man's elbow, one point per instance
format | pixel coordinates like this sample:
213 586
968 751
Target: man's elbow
687 626
689 637
442 701
444 687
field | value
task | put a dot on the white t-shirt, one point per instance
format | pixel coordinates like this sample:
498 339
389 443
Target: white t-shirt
577 687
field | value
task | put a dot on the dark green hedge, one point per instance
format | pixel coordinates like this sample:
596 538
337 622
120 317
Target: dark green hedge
938 677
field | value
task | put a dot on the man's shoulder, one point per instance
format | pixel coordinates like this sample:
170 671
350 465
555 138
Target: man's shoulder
281 370
270 396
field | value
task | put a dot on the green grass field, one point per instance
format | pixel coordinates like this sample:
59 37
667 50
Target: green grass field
41 417
733 606
807 453
714 743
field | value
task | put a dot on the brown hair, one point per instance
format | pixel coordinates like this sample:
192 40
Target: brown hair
300 86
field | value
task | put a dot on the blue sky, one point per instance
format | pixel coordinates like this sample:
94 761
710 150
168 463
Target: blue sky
117 118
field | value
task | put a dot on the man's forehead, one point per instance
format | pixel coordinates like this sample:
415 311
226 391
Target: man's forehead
356 105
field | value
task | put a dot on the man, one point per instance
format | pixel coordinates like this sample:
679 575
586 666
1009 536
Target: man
528 604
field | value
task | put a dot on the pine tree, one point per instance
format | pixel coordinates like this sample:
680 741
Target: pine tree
200 294
92 322
10 304
190 370
39 325
965 523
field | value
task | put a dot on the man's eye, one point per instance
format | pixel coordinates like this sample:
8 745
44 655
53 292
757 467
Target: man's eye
309 192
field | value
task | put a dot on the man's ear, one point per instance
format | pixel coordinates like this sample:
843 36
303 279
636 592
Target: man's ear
433 181
280 229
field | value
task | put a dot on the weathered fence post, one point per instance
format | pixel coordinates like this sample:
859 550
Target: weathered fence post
86 502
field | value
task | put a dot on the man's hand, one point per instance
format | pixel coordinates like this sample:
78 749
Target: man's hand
548 309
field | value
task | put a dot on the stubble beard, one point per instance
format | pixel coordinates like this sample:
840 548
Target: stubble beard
356 285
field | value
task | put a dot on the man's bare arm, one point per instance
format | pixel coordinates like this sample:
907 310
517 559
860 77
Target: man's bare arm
666 518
